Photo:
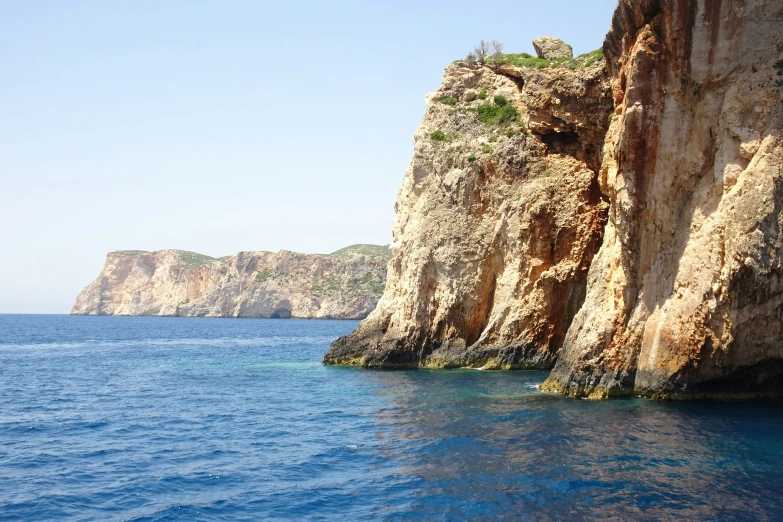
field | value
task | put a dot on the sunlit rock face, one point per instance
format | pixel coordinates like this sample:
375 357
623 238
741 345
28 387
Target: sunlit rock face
344 285
676 210
497 222
684 298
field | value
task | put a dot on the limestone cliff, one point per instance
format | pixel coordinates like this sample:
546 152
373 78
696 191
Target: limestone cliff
342 285
498 218
685 298
683 195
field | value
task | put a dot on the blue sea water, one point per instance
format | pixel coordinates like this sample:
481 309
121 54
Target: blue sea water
110 418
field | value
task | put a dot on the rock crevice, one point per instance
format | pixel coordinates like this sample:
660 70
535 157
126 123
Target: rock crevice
683 298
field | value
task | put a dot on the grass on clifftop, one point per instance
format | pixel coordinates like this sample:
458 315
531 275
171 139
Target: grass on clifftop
367 250
186 258
528 60
192 259
592 57
130 252
523 60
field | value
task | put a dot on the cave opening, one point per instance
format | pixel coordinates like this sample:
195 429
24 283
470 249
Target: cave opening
561 142
569 143
281 313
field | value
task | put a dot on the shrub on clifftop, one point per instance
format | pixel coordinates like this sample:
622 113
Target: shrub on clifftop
592 57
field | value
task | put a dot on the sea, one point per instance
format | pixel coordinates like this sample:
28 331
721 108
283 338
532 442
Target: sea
147 419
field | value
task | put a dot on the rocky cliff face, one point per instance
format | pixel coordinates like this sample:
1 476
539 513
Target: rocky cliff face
498 219
343 285
685 297
494 233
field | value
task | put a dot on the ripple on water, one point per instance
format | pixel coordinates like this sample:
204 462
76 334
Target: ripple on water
157 419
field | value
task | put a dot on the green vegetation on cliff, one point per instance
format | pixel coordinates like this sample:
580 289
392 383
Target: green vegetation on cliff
265 275
497 112
592 57
528 60
439 135
366 250
327 283
130 252
370 281
523 60
187 259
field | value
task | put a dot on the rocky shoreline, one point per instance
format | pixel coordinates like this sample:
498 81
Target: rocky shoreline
617 220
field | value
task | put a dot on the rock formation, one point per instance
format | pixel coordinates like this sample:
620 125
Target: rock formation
498 218
550 48
342 285
683 195
685 298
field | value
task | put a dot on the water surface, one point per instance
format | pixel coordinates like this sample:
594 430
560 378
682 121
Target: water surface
112 418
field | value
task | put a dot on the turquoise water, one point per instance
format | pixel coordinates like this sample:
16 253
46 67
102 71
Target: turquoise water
108 418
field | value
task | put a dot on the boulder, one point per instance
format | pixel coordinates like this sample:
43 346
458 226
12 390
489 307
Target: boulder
550 48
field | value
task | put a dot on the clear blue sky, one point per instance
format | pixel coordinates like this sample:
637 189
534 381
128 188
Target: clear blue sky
221 126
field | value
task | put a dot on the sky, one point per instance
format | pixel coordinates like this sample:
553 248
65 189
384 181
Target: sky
219 127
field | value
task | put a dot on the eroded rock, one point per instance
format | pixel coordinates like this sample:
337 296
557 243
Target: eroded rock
496 224
685 297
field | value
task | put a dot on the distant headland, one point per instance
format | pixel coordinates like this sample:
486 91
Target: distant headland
345 284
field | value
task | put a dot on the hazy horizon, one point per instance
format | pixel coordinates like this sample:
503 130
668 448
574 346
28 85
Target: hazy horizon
219 128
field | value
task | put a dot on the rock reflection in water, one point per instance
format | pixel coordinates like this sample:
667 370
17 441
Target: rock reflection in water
491 445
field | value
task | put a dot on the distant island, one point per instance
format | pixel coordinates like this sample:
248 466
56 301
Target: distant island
345 284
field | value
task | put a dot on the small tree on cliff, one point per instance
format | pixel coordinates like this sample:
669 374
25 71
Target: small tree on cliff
497 52
481 51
